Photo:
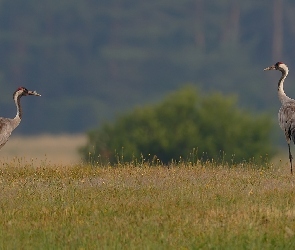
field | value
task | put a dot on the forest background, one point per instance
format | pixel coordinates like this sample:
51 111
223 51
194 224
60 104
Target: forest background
92 60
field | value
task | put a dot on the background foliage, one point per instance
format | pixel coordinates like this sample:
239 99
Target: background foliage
187 125
91 60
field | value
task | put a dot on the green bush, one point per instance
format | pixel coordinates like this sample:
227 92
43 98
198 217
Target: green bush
186 125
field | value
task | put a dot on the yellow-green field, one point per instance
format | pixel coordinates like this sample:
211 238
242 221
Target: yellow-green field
60 149
50 201
126 207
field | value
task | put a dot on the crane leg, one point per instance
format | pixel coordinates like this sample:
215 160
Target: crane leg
290 158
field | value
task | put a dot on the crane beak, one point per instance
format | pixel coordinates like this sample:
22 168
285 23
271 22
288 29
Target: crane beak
270 67
33 93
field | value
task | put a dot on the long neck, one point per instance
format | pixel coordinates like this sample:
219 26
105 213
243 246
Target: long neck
18 116
282 96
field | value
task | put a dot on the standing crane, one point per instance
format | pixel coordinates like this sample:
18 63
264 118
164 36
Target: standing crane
286 113
7 125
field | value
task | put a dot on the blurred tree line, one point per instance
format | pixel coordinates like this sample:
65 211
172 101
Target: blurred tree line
93 59
186 125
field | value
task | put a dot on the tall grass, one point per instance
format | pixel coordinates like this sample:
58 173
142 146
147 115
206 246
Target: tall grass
125 207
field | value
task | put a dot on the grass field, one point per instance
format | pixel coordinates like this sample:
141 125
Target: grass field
45 204
126 207
60 149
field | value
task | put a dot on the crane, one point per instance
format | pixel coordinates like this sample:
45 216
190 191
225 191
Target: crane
7 125
286 113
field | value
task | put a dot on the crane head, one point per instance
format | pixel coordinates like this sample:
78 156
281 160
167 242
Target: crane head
22 91
278 66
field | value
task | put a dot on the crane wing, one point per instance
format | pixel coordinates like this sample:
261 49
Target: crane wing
5 130
286 118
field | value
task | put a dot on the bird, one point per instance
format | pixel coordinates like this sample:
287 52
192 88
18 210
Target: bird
286 115
7 125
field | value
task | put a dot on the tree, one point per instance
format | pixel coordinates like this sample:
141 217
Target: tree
211 126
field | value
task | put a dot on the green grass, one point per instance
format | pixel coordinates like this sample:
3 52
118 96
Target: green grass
126 207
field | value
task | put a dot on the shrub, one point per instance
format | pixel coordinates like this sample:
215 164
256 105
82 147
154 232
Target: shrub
187 124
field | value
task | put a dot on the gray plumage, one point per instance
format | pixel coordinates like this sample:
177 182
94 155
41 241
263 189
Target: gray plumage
286 113
7 125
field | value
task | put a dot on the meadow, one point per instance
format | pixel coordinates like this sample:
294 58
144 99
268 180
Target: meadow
52 149
45 205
